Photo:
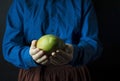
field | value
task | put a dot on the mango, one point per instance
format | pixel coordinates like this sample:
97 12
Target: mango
49 43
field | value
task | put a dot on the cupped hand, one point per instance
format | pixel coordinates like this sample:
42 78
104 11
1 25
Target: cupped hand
62 56
37 54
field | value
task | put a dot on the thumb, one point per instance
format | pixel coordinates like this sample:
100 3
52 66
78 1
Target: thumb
33 44
69 48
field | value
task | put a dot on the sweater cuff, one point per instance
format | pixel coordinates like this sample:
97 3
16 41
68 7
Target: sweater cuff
73 62
29 62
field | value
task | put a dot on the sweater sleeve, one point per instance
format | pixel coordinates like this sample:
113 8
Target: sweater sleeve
89 47
14 48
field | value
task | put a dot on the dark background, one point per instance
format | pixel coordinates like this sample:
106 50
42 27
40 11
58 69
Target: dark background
103 69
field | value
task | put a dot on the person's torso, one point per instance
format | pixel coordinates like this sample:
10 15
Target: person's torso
59 17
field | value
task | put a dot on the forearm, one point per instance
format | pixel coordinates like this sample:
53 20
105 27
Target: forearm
86 52
18 55
88 47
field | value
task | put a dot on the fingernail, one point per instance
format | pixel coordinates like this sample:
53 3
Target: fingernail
53 53
57 51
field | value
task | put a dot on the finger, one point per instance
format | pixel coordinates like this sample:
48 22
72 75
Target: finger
55 56
52 61
53 53
34 51
33 44
63 53
58 57
38 55
69 48
40 60
56 62
44 62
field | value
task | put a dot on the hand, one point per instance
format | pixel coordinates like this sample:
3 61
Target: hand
61 57
37 54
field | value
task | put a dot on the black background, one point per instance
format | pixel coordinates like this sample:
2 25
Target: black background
103 69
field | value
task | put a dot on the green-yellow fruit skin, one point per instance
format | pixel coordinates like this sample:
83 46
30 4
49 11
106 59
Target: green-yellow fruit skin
49 42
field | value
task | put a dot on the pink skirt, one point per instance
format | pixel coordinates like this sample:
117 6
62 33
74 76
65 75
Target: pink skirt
55 73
